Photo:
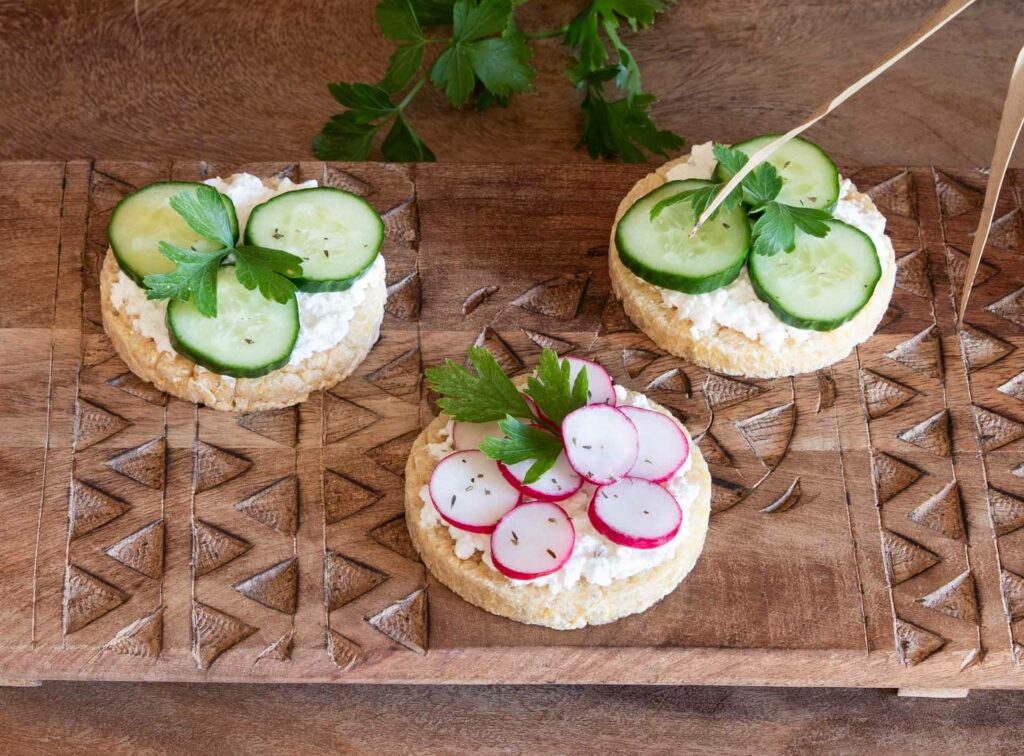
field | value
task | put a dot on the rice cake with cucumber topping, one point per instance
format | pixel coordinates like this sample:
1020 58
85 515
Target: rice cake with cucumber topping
268 345
559 551
734 302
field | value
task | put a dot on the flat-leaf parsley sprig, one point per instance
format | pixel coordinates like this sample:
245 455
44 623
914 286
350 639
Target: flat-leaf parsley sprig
486 59
774 224
194 278
487 394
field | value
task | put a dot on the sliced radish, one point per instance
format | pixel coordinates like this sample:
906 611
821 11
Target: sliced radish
663 445
533 540
600 442
471 435
600 388
469 491
635 513
557 484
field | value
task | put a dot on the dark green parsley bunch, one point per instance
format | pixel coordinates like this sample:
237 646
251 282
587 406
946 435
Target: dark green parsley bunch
486 58
773 224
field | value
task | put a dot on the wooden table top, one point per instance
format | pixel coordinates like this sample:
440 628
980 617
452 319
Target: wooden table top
78 79
202 80
246 719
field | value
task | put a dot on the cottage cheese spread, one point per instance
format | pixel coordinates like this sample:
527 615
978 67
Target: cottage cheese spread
323 318
736 306
594 558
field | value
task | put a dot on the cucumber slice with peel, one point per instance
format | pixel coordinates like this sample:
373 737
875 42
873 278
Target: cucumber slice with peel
337 234
809 177
250 337
661 252
823 282
145 218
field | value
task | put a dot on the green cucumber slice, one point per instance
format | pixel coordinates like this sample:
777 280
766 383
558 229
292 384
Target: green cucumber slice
823 282
336 233
145 218
250 337
809 177
662 253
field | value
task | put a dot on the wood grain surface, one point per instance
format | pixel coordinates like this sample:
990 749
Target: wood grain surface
77 718
202 79
867 519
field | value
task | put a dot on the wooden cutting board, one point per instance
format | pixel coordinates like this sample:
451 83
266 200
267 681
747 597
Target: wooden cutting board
868 518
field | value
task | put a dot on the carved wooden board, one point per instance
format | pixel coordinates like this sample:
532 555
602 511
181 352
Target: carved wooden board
868 523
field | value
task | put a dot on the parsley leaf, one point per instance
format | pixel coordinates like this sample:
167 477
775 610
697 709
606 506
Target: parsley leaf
398 21
205 213
762 185
403 145
583 31
453 72
627 75
350 135
499 63
502 65
193 280
433 12
614 127
731 160
405 61
269 270
810 220
472 21
484 396
365 102
621 127
551 389
345 137
700 197
523 442
759 188
490 395
775 230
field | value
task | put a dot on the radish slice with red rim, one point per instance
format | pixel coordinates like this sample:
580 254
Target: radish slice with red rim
533 540
467 436
600 388
600 442
636 513
663 445
557 484
470 492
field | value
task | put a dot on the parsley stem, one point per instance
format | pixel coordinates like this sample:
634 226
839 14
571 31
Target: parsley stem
546 33
412 93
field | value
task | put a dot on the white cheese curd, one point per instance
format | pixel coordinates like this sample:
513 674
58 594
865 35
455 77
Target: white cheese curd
594 558
323 318
736 305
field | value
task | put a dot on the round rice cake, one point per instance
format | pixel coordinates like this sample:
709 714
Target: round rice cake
730 351
291 384
584 603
